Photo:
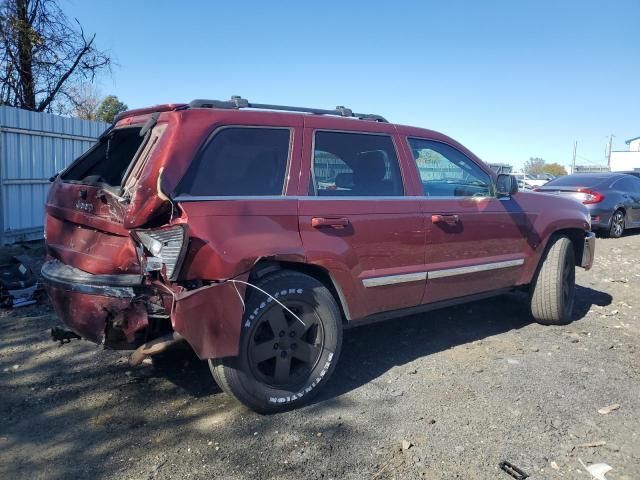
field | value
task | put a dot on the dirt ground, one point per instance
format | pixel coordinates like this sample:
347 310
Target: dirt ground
467 387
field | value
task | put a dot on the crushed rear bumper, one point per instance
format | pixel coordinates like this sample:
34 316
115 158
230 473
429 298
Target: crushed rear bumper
209 318
85 302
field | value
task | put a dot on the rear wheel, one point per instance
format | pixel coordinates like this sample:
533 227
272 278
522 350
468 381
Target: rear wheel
616 229
553 290
286 354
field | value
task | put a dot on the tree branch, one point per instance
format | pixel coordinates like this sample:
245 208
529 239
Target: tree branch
45 103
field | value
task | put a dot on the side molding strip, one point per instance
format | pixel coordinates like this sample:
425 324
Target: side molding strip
447 272
394 279
450 272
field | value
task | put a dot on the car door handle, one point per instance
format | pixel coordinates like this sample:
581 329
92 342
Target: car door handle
317 222
448 219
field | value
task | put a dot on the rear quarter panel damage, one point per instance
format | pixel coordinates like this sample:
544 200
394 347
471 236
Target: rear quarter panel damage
227 238
210 318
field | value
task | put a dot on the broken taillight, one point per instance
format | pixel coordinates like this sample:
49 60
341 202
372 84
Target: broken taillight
166 246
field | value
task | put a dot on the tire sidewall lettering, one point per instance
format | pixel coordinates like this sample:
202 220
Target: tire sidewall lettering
270 299
307 388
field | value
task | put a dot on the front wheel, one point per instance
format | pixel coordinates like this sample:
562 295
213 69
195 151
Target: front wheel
553 290
289 347
616 229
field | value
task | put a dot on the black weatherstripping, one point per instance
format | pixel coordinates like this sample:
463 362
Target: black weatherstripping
149 124
237 102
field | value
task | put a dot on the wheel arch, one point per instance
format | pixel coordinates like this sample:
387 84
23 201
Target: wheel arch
622 208
576 235
266 266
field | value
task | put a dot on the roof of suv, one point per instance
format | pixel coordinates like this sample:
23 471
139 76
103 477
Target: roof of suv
340 117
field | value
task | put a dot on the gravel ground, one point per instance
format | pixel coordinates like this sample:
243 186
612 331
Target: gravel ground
467 387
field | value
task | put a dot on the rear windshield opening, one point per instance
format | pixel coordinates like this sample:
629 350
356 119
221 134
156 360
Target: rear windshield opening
108 160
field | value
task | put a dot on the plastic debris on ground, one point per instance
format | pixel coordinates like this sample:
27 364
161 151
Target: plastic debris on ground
18 283
597 470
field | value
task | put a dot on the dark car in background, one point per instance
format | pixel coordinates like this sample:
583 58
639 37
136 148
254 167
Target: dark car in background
635 173
612 198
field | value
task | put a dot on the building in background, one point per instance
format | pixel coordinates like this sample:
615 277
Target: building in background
591 169
625 160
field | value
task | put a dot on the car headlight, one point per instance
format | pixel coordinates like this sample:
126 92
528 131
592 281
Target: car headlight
167 247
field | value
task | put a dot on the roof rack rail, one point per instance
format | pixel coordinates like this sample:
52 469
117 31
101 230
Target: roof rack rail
238 102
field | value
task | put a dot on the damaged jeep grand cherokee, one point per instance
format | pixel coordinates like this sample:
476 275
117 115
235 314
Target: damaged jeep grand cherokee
256 233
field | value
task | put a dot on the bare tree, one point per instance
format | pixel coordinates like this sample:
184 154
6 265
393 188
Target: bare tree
83 101
534 165
43 55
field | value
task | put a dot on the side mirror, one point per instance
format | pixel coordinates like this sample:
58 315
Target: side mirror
506 185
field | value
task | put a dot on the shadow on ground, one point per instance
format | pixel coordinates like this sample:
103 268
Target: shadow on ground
80 402
371 350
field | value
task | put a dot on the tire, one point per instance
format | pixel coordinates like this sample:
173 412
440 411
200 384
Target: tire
553 290
616 229
283 364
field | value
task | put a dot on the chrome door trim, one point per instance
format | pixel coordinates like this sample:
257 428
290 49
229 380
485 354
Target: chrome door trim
450 272
204 198
434 274
394 279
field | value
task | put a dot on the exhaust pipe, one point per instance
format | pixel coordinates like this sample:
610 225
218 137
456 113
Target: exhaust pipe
154 347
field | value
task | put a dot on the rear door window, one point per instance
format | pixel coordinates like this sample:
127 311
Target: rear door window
628 184
240 161
108 160
355 164
447 172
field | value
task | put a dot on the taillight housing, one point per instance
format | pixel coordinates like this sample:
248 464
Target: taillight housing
590 196
167 247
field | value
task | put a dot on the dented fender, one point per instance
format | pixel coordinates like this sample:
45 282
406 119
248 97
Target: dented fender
209 318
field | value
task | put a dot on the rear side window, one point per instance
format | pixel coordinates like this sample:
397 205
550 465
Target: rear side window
108 160
629 184
240 161
355 164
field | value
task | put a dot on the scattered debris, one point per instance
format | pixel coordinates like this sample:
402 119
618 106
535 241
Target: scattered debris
597 470
18 283
62 335
514 471
554 465
592 444
608 409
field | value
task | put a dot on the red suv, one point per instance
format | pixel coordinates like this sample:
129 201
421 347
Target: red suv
256 233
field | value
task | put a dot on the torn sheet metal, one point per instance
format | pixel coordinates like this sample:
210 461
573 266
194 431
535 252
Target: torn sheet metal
84 313
210 319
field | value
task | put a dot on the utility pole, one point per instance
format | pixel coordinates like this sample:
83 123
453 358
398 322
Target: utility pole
609 145
573 163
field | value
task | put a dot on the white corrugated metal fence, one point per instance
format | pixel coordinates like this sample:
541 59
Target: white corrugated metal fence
33 147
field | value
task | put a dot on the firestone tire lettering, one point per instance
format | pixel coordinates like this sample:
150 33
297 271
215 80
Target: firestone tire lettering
263 305
307 389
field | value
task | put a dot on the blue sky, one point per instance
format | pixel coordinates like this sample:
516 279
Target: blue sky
509 79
